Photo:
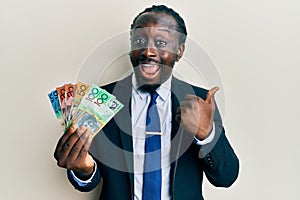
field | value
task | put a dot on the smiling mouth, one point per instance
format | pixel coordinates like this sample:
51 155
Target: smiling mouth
149 70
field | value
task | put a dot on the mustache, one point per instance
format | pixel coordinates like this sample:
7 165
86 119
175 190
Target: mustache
150 60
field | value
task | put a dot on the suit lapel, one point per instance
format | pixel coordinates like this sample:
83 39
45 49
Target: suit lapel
122 91
179 90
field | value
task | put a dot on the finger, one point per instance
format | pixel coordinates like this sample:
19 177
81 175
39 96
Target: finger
191 104
190 97
178 118
63 140
79 145
87 145
69 144
210 94
185 104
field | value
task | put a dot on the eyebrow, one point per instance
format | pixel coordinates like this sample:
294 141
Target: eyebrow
160 29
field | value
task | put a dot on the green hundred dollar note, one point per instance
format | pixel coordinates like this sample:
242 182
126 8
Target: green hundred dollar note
96 108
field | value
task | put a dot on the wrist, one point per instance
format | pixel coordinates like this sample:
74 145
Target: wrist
202 133
86 173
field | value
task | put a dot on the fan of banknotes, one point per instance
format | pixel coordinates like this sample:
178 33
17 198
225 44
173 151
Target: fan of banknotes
82 104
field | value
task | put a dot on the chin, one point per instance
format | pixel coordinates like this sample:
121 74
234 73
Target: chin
145 81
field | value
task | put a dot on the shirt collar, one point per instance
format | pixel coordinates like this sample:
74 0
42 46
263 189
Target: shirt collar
163 90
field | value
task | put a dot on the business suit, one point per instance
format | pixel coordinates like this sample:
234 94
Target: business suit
112 149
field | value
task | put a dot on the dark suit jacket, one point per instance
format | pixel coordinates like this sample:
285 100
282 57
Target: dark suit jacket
112 150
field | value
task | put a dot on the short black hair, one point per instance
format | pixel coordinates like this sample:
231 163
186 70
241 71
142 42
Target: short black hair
164 9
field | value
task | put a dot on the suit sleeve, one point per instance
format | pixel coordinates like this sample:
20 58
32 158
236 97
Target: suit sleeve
85 186
220 163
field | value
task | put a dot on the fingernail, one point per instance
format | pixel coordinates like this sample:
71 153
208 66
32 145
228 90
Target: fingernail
72 128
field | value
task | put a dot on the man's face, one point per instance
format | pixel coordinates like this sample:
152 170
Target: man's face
154 48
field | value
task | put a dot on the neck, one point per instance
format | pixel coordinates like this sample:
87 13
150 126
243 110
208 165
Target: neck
149 88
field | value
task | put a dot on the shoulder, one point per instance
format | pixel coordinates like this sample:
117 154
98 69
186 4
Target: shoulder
185 86
120 84
109 87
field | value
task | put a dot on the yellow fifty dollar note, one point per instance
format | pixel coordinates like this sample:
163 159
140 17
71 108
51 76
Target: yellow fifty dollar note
81 90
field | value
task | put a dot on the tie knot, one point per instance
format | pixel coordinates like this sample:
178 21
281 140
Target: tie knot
154 96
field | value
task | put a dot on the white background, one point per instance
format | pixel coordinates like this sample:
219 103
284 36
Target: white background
254 44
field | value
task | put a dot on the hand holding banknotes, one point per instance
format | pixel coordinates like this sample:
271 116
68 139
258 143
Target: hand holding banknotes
83 110
72 151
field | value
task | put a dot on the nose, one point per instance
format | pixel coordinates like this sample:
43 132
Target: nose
149 52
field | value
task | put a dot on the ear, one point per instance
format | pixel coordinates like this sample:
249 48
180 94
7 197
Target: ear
180 51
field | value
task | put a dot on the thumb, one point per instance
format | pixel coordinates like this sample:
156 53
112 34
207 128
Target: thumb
210 94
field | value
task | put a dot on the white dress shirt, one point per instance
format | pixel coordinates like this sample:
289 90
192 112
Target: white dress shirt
139 104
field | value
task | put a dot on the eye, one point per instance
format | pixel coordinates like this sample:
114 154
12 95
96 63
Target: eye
139 42
161 43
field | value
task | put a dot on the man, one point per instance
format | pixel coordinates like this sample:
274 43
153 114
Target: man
190 138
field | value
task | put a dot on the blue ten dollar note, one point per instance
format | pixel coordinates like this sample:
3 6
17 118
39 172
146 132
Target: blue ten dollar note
53 97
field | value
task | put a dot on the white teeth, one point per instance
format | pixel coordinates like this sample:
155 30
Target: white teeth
149 68
149 65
